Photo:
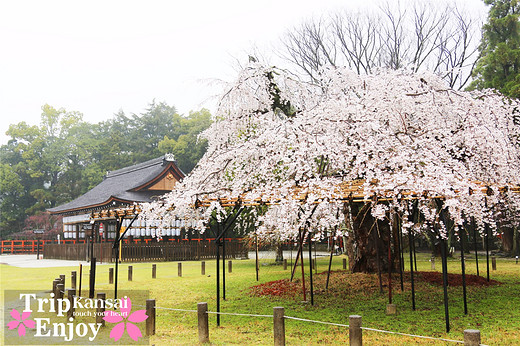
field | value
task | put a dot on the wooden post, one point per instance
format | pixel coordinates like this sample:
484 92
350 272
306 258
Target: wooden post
130 273
54 284
203 268
494 263
62 279
354 330
230 266
150 312
472 337
279 326
73 280
70 296
154 271
179 269
59 290
110 275
344 264
55 292
100 311
202 317
285 264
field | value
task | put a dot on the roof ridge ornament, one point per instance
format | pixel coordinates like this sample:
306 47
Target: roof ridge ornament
169 157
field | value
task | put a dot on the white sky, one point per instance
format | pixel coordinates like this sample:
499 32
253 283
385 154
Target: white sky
98 57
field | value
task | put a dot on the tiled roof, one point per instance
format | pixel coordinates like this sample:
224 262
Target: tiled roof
120 186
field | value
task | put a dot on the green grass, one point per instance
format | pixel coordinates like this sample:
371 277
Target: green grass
495 310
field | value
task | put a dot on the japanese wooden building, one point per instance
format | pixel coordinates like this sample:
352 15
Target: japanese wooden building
122 188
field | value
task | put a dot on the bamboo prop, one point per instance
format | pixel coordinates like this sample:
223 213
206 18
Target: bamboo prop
445 284
298 252
462 234
223 242
256 251
378 260
224 226
473 225
330 262
303 270
390 265
410 242
117 245
301 237
310 269
399 239
442 216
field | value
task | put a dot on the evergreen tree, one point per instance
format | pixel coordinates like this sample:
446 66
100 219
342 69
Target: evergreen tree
499 63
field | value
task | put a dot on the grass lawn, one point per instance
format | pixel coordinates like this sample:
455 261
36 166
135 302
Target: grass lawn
493 309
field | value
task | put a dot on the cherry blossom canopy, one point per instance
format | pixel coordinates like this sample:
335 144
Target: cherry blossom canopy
393 135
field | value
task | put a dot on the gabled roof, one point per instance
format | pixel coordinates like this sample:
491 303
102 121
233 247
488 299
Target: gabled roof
125 186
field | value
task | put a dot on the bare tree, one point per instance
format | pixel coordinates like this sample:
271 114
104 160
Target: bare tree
423 36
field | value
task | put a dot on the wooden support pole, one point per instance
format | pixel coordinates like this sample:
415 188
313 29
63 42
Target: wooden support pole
80 278
471 337
354 330
150 312
257 268
330 263
344 264
311 282
285 264
100 311
279 326
410 241
130 273
92 281
445 284
462 235
389 266
73 280
203 325
494 263
62 279
486 227
230 266
179 269
475 242
110 275
203 268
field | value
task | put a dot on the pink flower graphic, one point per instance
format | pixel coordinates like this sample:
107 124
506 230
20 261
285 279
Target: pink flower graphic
119 329
21 322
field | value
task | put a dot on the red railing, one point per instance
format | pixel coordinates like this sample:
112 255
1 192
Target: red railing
30 246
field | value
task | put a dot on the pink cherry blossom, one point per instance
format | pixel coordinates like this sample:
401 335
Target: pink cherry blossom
21 322
397 133
115 317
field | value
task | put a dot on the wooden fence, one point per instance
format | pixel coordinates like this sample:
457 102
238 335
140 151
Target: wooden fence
141 252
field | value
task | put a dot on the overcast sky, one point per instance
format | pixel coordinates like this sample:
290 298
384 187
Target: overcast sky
99 57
